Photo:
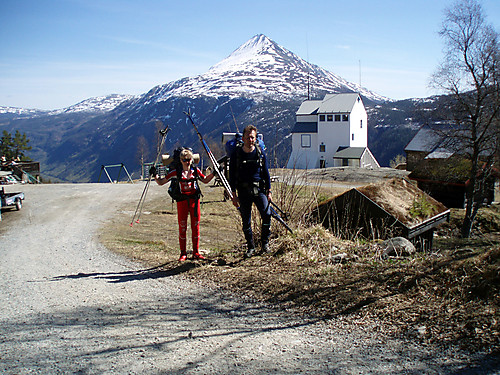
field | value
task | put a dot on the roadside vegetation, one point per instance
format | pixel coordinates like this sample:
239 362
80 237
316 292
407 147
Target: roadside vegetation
447 296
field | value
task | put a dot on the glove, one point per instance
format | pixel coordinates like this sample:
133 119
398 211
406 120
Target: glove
152 171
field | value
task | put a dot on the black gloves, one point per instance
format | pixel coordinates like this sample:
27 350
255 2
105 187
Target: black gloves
152 171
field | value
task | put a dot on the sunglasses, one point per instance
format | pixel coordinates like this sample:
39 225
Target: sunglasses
185 160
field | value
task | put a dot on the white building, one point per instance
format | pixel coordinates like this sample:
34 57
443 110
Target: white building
332 132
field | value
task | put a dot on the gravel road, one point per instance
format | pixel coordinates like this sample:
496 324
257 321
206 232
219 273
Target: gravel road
68 305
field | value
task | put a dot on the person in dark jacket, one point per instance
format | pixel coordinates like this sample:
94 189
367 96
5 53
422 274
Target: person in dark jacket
250 183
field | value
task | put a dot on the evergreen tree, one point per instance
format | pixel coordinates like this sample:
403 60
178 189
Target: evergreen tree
14 147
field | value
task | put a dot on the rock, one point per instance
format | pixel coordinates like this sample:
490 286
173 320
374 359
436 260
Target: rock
397 246
342 257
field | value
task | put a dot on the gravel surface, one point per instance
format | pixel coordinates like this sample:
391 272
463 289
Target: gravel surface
68 305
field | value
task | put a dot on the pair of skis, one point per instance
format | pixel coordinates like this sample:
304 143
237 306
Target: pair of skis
223 179
211 156
140 205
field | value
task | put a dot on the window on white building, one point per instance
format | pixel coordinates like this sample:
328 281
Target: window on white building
352 136
345 117
322 147
329 118
305 140
321 117
337 118
361 124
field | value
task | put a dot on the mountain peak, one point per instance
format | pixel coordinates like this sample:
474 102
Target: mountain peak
249 51
258 43
261 68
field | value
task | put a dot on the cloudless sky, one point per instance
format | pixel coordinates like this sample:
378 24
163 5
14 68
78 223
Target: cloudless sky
56 53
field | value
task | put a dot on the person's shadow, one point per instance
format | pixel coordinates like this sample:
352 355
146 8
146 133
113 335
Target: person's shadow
121 277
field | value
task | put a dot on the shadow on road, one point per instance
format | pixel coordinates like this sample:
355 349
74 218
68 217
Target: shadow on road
125 276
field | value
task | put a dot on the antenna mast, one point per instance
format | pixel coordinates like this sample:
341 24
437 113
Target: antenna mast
308 75
360 73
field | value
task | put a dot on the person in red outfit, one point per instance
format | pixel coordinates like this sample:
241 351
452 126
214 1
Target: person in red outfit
190 204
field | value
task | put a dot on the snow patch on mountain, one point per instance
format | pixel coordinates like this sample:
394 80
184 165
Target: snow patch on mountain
21 111
96 104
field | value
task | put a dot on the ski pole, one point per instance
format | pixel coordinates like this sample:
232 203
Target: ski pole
284 214
140 205
211 156
277 216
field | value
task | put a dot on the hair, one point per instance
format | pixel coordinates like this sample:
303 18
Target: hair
249 128
186 154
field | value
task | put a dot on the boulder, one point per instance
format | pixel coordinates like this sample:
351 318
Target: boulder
398 246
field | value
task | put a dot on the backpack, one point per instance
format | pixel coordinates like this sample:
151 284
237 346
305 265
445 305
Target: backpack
232 143
174 190
237 140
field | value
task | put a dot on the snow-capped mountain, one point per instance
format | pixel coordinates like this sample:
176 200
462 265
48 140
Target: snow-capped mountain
96 104
262 68
21 111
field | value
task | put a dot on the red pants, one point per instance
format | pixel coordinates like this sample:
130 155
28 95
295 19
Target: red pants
184 208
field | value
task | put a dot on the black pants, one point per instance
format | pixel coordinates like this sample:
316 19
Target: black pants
260 200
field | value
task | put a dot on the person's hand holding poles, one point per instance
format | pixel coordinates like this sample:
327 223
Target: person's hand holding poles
269 196
236 200
152 172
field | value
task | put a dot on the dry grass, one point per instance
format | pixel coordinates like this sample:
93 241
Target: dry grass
403 200
448 297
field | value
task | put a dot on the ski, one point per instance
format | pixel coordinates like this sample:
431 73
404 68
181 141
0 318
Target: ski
211 156
275 215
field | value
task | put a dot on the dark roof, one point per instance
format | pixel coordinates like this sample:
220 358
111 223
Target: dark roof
349 152
426 140
305 127
444 140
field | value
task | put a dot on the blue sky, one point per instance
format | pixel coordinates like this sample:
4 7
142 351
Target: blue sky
55 53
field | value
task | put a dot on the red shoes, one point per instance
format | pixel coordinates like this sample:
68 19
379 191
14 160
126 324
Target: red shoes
198 256
183 257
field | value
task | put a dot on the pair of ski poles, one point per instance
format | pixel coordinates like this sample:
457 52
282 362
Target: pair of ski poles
223 179
277 216
140 205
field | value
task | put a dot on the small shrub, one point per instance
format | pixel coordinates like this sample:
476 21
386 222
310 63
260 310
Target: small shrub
421 208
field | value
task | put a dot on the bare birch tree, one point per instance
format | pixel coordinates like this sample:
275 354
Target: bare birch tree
469 76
